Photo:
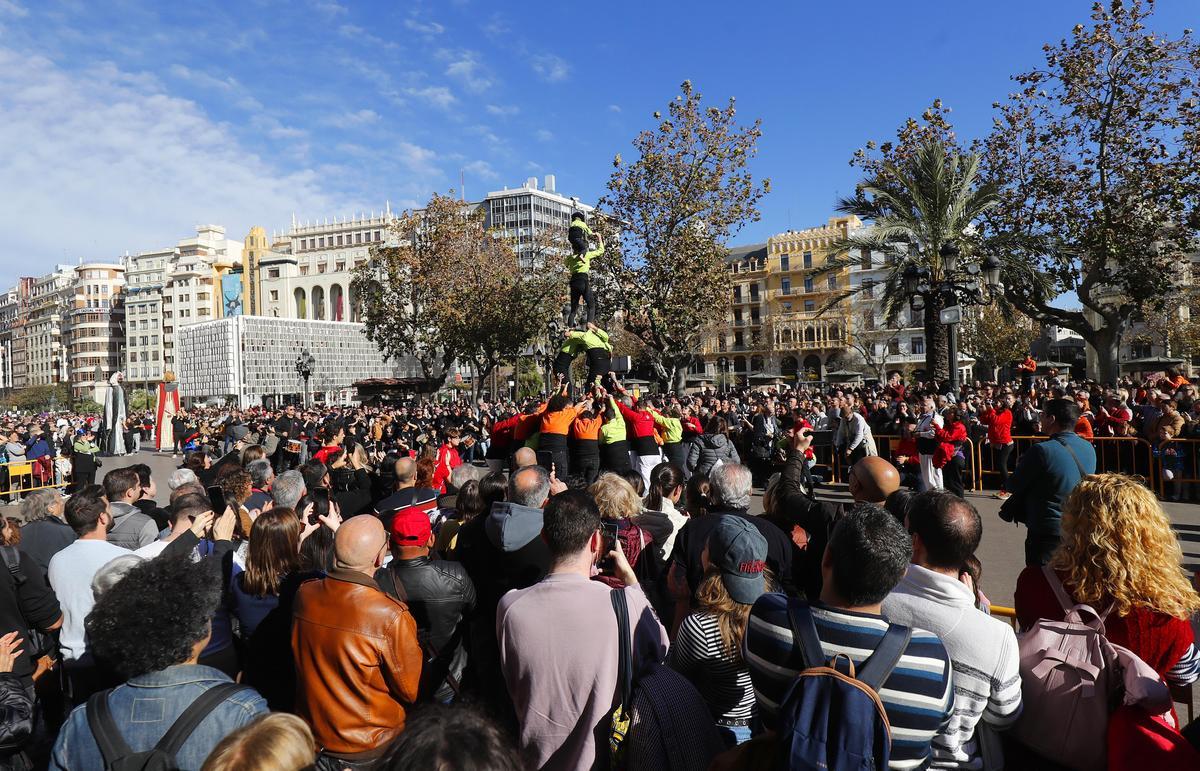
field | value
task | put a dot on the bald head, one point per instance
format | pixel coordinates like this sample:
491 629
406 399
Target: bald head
406 472
946 530
873 479
526 457
360 544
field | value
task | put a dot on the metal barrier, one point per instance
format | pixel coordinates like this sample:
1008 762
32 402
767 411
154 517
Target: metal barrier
25 476
1185 468
1009 614
1114 454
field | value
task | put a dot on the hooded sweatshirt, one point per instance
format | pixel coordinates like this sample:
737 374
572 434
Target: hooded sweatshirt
515 533
707 450
983 654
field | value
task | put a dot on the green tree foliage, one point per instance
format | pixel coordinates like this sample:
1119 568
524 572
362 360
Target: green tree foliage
918 193
676 207
1096 158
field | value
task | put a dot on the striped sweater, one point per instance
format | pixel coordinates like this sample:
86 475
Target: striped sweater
983 652
917 696
699 655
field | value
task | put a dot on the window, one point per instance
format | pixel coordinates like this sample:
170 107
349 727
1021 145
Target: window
787 307
810 305
865 259
737 293
321 241
754 317
785 286
808 259
320 267
377 235
808 283
274 295
303 270
868 289
918 345
358 238
339 266
339 241
739 339
783 262
273 273
754 293
737 317
833 282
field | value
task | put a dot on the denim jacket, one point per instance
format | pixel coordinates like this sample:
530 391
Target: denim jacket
146 706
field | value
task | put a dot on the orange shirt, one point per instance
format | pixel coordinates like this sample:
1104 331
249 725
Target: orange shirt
558 422
587 428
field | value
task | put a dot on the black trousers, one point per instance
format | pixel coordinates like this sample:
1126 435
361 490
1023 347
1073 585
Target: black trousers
1000 459
587 467
952 476
581 288
599 363
1039 547
562 366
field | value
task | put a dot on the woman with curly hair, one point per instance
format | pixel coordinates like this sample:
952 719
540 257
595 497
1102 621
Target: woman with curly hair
154 637
1119 555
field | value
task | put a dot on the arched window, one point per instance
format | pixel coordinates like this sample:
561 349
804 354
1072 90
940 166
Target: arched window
812 367
336 301
318 303
756 363
301 304
739 363
789 366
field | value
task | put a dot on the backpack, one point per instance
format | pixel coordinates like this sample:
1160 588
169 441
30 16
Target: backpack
116 752
834 720
1069 679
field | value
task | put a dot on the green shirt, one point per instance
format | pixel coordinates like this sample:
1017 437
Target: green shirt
613 430
590 339
574 344
582 263
86 447
673 426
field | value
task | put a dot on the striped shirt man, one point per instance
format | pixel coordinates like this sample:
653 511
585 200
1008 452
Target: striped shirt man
983 652
917 696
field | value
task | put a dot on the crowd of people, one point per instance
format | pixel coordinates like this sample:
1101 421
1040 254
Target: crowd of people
583 580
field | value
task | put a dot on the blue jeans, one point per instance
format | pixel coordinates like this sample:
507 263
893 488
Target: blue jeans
734 735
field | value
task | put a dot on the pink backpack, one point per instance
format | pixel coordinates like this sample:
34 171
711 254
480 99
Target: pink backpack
1070 678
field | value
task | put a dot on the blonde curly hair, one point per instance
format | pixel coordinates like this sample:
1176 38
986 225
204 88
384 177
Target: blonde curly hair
1117 545
615 497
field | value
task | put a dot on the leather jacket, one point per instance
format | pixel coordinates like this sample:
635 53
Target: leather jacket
439 595
358 663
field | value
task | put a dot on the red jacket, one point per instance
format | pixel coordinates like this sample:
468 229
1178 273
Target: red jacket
1157 639
502 432
691 425
640 422
447 460
999 423
949 438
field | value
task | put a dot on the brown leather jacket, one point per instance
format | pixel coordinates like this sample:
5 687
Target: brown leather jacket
358 662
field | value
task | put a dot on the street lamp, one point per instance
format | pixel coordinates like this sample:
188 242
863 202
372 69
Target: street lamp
976 283
305 363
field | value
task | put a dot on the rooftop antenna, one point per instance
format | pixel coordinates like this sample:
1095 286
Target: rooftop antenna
462 185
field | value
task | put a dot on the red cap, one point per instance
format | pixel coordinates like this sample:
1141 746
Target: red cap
410 527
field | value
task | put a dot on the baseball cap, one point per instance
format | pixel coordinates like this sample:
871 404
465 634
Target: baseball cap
739 550
410 527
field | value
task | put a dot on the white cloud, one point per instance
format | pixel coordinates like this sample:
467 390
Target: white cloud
544 135
480 169
424 28
503 110
124 165
438 96
614 108
329 7
551 68
13 8
354 119
465 68
203 79
419 160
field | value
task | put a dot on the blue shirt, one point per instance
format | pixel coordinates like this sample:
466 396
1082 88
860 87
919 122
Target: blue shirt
146 706
1045 477
918 696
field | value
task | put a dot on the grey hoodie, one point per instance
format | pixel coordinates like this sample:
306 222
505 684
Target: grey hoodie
510 526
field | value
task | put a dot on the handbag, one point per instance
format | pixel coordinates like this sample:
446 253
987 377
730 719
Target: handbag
622 715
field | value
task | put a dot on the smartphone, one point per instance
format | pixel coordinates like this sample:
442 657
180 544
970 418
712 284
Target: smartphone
545 459
610 541
216 499
320 499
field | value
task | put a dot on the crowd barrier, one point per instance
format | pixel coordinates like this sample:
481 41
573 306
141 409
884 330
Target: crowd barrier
25 476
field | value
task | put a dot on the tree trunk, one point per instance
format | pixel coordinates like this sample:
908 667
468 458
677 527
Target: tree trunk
1106 343
937 343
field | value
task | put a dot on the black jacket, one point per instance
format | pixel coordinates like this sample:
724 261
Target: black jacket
794 506
440 596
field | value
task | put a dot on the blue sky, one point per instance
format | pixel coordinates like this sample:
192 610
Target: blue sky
125 124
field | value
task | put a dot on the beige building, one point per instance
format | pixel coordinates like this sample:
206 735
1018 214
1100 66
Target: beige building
96 324
775 329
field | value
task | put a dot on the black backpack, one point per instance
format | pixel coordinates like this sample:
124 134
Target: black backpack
116 752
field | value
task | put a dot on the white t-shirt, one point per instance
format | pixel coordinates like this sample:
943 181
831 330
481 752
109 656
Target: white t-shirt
153 549
71 573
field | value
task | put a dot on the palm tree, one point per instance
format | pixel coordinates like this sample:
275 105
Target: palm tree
915 204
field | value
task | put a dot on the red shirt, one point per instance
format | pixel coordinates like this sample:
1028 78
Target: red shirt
999 423
447 460
1158 639
640 422
691 425
502 432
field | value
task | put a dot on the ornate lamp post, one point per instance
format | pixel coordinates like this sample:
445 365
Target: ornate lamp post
305 363
973 284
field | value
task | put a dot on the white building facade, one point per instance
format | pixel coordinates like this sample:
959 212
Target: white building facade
247 360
